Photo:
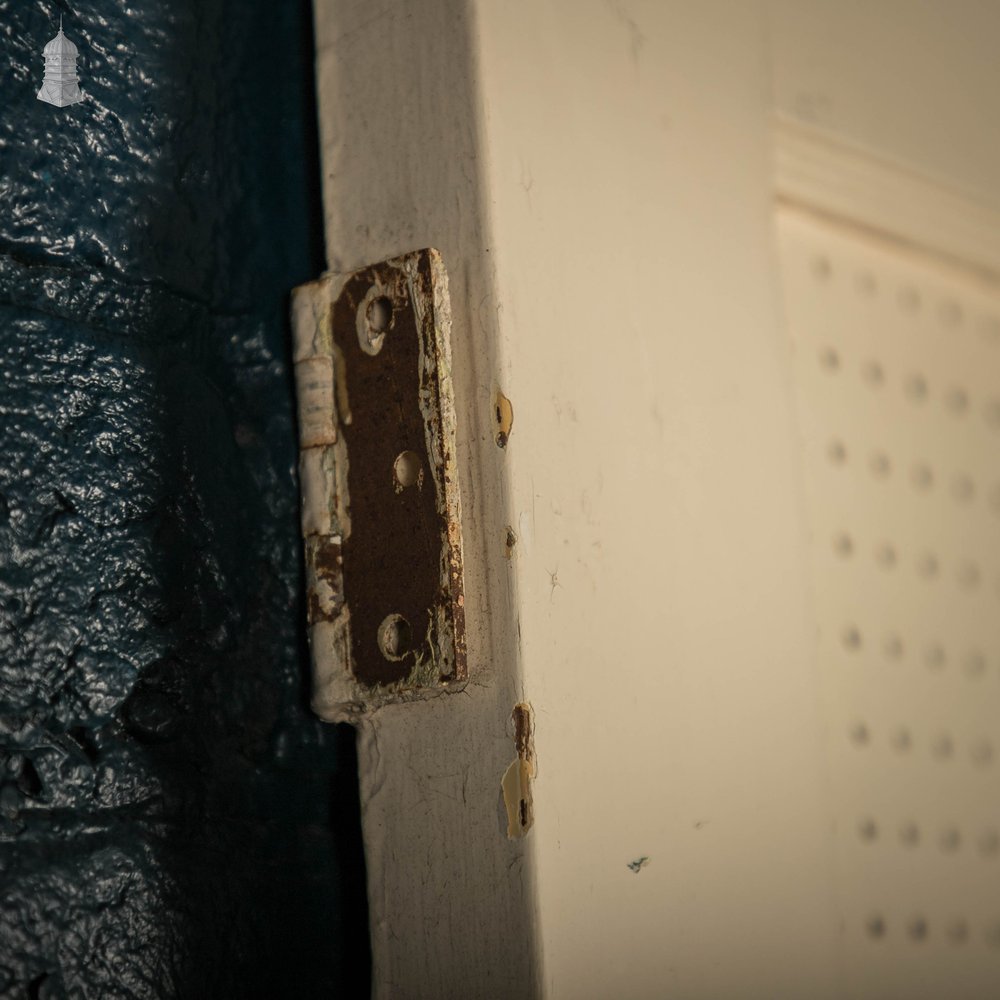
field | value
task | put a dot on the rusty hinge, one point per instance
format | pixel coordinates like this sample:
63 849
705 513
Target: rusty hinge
381 511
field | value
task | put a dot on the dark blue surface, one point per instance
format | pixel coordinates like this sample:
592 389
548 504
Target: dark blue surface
173 822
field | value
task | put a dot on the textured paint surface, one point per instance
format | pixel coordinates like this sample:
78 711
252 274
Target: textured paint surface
173 822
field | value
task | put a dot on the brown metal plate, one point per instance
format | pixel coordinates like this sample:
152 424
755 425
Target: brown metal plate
384 556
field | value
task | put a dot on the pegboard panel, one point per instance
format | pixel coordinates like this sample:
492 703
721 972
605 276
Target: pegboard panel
897 370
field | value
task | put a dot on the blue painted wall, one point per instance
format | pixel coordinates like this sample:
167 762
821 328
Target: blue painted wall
173 822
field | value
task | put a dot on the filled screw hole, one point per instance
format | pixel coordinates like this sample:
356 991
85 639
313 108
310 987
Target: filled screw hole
395 637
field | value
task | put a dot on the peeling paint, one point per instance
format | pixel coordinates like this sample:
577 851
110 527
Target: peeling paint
323 569
503 413
314 383
510 541
517 779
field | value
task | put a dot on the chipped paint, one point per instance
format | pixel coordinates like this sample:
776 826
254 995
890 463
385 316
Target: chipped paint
516 782
373 372
510 540
503 414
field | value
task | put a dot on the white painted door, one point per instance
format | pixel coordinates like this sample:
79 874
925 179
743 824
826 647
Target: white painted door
739 553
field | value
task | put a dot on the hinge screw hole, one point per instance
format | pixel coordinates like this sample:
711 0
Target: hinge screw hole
395 637
408 470
380 314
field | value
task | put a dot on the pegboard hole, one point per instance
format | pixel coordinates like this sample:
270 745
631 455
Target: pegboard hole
922 477
915 388
866 283
957 401
989 843
880 465
957 931
868 830
934 656
982 753
395 637
917 929
951 840
928 566
872 373
902 740
842 544
963 489
942 747
829 360
851 638
909 834
893 646
820 267
968 575
885 555
975 663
